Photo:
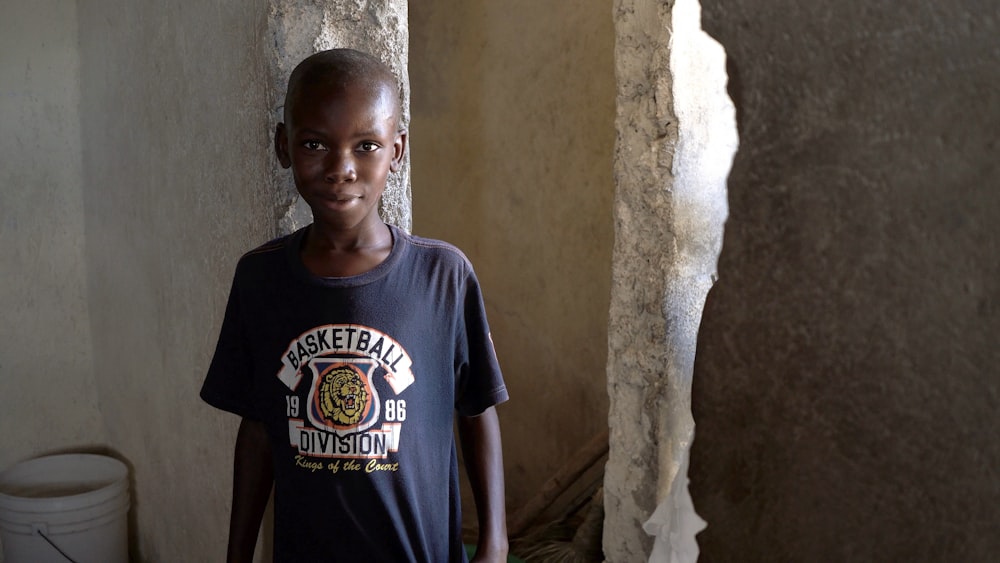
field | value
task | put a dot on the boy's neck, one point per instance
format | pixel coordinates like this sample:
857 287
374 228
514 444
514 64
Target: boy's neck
339 253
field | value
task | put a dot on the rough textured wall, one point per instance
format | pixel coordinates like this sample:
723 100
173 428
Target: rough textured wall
175 147
676 138
47 396
302 27
512 135
846 395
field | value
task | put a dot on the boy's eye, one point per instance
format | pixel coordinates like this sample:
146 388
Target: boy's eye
368 146
313 145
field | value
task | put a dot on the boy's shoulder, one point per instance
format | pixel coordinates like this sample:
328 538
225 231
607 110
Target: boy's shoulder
438 250
264 261
271 249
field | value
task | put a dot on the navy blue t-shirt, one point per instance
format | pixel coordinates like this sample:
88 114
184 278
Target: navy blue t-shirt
357 380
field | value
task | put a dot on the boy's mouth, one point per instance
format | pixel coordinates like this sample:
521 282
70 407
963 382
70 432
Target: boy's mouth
342 198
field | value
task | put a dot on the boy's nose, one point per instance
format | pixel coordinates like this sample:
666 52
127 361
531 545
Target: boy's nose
340 168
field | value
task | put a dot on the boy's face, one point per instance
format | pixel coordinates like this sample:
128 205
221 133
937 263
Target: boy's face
341 143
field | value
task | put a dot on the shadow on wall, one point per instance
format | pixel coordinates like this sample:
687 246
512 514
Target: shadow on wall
844 395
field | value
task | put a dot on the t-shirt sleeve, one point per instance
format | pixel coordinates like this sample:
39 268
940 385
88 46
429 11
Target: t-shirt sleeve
229 383
479 382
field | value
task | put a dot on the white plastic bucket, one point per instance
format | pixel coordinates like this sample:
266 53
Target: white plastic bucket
78 501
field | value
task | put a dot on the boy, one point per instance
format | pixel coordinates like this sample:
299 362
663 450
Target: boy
347 345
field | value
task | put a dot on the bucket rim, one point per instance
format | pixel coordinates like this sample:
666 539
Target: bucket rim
29 472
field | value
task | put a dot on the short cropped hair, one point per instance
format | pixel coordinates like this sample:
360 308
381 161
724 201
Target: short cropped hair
341 68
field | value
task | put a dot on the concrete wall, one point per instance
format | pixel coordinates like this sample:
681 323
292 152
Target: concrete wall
300 28
48 400
176 145
676 135
846 393
511 140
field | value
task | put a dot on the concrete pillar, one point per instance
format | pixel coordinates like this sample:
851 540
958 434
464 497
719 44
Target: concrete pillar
676 139
301 28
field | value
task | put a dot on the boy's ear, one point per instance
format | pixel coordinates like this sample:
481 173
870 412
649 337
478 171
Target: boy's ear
398 150
281 145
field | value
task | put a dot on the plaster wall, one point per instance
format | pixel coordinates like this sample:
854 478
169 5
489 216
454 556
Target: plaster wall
48 400
511 141
846 397
176 149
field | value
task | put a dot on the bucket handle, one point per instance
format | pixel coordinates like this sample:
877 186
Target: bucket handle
42 530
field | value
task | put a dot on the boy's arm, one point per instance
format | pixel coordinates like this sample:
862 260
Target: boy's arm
253 477
480 439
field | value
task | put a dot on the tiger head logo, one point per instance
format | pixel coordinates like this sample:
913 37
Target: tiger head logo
343 396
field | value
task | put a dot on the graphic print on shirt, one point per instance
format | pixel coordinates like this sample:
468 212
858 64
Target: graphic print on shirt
351 408
342 399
